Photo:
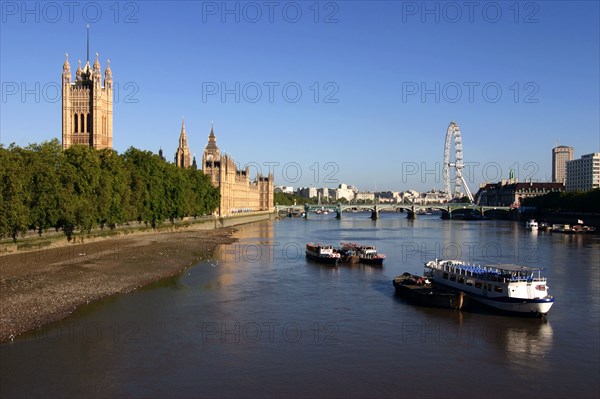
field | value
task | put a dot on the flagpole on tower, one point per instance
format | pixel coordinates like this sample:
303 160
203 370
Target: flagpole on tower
88 43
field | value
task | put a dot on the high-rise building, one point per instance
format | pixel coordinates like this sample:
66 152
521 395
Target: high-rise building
183 159
87 106
560 155
584 174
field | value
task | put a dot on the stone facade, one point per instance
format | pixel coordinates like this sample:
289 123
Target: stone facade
238 193
87 106
511 193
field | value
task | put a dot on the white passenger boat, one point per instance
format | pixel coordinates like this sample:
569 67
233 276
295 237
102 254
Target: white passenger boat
510 288
322 253
531 224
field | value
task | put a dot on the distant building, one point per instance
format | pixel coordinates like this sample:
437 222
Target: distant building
345 191
238 194
87 106
183 158
307 192
284 189
388 197
584 174
364 196
325 193
512 193
433 197
560 156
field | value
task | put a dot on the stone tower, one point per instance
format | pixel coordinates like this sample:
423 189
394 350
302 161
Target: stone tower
87 106
238 194
183 158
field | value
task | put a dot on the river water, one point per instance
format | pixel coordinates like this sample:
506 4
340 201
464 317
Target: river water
257 320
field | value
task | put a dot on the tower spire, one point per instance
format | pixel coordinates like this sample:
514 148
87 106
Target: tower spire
88 43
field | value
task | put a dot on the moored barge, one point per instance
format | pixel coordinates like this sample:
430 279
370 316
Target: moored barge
420 291
322 253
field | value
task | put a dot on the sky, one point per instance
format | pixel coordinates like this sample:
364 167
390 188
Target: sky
321 93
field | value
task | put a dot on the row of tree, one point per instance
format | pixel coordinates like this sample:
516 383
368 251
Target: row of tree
43 187
578 201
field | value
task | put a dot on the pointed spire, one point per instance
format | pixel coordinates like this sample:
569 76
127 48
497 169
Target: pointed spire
66 74
97 63
212 141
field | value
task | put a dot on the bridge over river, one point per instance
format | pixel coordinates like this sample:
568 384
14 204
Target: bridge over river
412 210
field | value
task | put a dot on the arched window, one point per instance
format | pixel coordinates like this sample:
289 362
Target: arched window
75 119
89 123
82 123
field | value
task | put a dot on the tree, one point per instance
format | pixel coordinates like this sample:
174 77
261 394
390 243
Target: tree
42 165
14 197
80 176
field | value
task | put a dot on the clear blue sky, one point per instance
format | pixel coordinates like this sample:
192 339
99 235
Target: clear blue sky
367 125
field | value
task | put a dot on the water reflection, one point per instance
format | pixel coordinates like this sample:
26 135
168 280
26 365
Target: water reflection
194 335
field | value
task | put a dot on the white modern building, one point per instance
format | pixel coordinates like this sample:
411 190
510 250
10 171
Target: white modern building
584 174
560 156
284 189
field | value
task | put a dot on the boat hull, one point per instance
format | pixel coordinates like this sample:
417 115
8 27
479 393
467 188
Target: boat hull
372 261
516 306
322 259
428 295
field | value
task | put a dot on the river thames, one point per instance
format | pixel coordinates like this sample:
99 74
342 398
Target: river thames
257 320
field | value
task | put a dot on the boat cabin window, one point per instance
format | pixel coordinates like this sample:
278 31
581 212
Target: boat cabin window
445 276
485 287
478 284
489 287
452 277
461 279
497 288
469 282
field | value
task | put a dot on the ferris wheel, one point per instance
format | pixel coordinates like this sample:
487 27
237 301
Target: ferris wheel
453 134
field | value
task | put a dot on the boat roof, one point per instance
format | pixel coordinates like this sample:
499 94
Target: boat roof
511 267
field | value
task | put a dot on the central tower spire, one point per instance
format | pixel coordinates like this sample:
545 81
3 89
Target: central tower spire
88 44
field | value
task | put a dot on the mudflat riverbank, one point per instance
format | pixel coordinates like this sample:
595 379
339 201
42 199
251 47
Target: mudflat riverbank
44 285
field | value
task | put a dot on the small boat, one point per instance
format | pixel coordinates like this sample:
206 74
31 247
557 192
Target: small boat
420 291
347 255
367 254
510 288
531 224
322 253
568 229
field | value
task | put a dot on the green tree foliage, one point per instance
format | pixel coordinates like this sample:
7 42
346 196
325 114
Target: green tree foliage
288 199
14 210
578 201
42 187
42 167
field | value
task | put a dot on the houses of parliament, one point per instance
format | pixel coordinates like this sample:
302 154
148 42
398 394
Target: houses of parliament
87 119
238 193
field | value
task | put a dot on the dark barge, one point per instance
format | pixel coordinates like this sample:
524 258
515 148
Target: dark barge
420 291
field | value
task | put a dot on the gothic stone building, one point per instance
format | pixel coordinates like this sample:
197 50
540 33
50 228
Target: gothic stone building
238 193
87 106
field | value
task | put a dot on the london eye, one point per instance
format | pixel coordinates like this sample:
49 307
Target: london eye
452 184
